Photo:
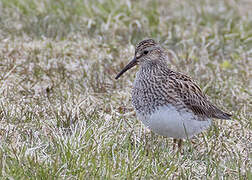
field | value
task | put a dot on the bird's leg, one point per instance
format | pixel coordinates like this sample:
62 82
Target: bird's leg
180 144
174 143
147 136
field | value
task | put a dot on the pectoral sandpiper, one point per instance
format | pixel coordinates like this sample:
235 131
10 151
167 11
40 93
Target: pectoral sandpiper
168 102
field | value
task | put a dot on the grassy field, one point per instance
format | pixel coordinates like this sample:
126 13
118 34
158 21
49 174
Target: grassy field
64 116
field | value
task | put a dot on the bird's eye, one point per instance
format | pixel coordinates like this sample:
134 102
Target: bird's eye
145 52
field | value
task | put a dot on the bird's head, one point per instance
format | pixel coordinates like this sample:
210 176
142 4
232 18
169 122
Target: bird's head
147 52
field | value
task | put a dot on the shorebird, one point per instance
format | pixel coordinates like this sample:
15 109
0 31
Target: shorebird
169 103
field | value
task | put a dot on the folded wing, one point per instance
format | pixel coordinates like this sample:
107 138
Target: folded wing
191 95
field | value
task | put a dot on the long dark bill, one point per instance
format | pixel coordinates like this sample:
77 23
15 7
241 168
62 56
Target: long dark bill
127 67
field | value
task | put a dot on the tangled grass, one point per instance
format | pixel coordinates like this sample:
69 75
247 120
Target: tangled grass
63 115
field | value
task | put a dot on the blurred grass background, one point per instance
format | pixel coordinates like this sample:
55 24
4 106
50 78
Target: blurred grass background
63 116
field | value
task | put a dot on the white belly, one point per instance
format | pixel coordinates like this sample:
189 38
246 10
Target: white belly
167 121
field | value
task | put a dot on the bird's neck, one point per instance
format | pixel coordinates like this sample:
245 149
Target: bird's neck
154 68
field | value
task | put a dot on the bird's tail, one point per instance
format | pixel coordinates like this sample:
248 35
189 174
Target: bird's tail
219 114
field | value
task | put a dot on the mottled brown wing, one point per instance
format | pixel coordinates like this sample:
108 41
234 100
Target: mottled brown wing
192 96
